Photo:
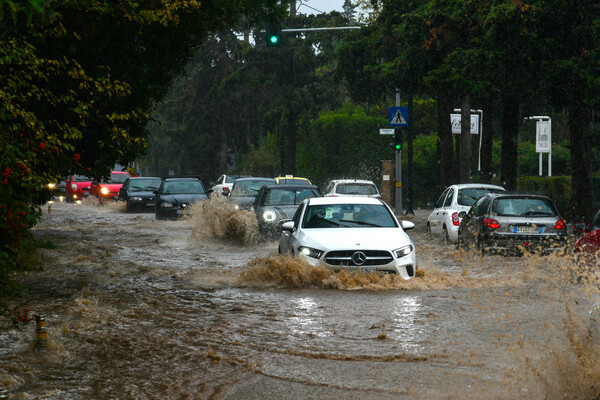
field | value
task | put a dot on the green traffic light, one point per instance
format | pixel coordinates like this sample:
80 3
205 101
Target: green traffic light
274 39
398 146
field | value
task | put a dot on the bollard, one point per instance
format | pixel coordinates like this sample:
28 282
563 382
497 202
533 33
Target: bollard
3 394
41 334
49 208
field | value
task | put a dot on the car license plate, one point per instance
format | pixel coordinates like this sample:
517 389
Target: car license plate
150 204
368 270
523 229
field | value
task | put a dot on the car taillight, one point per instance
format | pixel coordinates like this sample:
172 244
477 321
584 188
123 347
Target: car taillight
560 224
455 219
491 223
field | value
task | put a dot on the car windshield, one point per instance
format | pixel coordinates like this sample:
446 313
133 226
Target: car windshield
117 178
144 184
356 188
183 187
81 178
468 196
294 181
595 222
287 197
524 207
248 188
231 178
348 216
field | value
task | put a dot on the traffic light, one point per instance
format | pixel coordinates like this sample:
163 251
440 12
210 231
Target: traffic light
398 139
273 37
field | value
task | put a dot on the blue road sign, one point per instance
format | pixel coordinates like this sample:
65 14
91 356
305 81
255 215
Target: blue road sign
398 116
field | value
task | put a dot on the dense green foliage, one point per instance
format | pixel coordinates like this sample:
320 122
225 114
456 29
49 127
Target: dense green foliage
78 80
343 144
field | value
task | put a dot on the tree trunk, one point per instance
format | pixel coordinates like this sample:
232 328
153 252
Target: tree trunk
487 141
291 141
465 141
510 139
222 160
580 134
446 144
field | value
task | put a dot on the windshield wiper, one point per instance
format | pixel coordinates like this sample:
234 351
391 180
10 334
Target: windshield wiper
361 223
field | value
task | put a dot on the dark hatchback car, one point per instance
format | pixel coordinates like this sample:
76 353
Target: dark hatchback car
587 247
175 195
138 193
280 201
513 223
244 190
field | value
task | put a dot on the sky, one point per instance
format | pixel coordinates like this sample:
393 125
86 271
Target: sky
308 6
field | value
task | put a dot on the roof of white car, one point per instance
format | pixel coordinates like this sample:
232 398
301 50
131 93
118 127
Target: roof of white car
352 181
343 200
477 185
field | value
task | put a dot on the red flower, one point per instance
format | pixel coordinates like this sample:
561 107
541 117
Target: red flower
42 146
76 157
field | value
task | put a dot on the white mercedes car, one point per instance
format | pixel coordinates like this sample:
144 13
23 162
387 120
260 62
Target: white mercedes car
357 233
445 219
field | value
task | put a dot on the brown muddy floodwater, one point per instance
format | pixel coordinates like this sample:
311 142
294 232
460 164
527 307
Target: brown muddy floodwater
202 309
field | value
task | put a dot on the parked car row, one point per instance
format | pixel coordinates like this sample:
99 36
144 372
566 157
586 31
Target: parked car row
489 219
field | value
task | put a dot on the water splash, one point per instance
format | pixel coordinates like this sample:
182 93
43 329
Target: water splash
219 219
292 272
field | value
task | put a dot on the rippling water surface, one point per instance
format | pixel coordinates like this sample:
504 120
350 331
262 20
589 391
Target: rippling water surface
203 309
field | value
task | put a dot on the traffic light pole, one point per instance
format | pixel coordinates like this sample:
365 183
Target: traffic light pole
398 183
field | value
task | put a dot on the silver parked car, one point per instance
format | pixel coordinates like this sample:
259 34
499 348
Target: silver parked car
513 223
445 218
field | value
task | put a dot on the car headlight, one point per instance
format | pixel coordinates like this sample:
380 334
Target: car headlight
310 252
269 216
74 186
166 204
136 198
403 251
104 191
51 185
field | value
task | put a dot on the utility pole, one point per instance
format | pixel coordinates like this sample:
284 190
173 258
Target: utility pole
398 185
410 180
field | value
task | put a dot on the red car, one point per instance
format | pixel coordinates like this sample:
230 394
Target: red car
588 244
77 187
109 189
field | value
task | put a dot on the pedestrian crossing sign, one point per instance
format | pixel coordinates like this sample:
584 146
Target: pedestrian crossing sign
398 116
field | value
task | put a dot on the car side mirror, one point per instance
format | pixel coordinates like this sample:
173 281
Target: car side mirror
462 214
579 227
287 225
407 225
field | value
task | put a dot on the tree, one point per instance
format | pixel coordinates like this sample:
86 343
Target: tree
78 80
570 33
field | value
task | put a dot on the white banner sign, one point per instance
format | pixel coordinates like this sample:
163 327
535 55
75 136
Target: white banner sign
543 137
455 121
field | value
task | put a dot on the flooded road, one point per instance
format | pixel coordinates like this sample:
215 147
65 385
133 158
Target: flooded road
202 309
